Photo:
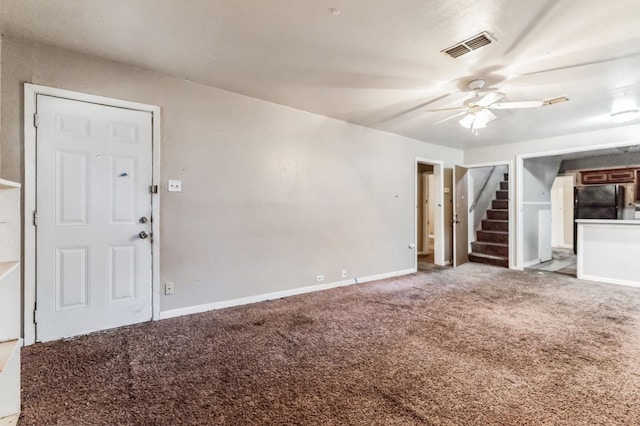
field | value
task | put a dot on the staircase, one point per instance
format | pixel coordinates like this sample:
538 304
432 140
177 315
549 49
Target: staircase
492 241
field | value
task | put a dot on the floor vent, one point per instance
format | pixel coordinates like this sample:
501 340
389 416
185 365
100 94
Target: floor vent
473 43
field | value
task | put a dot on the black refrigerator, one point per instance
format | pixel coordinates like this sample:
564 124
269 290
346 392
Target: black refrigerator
596 202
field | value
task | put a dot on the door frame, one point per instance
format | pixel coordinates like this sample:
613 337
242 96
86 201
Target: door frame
438 215
29 236
512 207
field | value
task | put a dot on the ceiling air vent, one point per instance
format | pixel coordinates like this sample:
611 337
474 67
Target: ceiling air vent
468 45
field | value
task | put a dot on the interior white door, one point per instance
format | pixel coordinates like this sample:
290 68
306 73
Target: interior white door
460 216
94 169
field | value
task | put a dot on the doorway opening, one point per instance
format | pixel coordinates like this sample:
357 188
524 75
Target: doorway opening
429 215
558 256
559 188
483 214
426 221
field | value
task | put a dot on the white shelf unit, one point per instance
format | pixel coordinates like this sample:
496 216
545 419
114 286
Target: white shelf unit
9 302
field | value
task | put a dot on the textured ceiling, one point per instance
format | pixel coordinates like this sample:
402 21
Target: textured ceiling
377 64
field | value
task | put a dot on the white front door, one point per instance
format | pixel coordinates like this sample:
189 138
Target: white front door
93 203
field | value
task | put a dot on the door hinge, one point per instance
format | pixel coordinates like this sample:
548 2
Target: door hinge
35 218
153 189
36 121
35 313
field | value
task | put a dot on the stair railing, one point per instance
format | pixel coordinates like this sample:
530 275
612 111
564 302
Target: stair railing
484 185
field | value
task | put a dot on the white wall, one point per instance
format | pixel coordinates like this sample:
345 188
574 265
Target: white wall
614 136
537 179
477 177
272 196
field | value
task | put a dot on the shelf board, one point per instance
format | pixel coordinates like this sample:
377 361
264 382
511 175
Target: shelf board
6 351
7 184
7 267
10 420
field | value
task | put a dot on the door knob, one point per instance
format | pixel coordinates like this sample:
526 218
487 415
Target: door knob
143 234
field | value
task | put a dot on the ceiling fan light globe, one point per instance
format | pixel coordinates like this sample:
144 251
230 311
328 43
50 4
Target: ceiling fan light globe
467 121
478 125
482 118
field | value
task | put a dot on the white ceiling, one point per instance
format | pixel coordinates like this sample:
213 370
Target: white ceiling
377 63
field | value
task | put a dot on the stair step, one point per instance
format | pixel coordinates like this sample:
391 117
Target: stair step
494 249
506 177
495 225
504 185
498 214
493 237
500 204
489 260
502 195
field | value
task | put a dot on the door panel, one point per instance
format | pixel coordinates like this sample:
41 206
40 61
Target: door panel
460 217
71 279
93 174
72 185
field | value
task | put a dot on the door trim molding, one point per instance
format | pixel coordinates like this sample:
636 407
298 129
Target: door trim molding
438 215
29 236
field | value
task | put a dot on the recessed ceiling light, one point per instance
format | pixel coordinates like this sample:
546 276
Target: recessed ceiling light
334 11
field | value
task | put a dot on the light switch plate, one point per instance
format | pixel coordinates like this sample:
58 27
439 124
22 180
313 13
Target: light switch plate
174 186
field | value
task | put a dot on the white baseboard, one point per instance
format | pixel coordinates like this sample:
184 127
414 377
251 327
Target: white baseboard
609 280
172 313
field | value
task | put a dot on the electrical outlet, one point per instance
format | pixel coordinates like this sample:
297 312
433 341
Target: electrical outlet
320 278
174 186
344 273
168 288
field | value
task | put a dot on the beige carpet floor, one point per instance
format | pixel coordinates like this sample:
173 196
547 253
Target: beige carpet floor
475 345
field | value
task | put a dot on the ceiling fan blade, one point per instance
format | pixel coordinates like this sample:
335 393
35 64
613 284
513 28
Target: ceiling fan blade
585 64
491 98
451 117
517 105
413 108
450 109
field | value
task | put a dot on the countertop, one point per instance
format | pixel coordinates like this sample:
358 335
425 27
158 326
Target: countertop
608 222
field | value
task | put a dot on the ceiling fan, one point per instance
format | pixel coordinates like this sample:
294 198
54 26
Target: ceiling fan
477 109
